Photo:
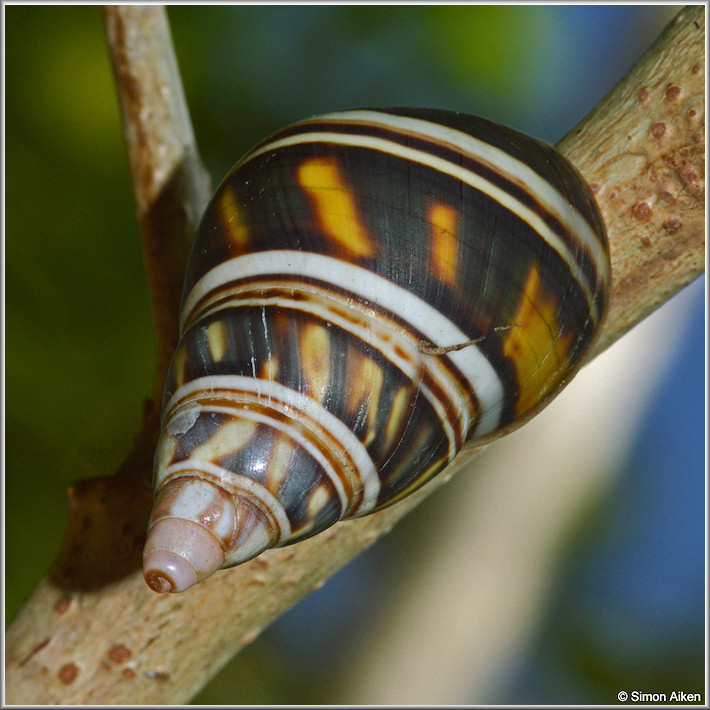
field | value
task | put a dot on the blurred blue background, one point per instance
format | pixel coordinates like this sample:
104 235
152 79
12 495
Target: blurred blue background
629 609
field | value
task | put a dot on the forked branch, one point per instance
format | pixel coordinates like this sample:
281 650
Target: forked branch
92 632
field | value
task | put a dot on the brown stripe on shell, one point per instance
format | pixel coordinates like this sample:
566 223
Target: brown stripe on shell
283 413
535 154
404 235
340 303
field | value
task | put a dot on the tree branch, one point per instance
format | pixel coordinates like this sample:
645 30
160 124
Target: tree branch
169 183
92 632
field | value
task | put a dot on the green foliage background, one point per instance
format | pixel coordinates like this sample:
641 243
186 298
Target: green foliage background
79 343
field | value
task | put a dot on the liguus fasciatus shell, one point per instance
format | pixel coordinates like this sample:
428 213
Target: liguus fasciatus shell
368 290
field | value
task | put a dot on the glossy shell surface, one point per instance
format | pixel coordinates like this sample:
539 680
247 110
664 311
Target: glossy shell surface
367 291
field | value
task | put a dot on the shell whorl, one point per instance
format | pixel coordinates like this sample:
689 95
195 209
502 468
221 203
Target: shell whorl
367 291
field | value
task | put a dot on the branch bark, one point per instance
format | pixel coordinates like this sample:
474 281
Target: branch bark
170 185
92 632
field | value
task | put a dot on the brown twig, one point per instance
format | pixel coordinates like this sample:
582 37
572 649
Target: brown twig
169 183
86 636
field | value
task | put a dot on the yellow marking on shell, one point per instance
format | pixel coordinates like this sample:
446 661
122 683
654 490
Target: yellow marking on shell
373 410
315 359
232 218
178 366
417 483
167 446
364 393
535 345
443 220
217 339
318 500
269 369
230 437
398 413
335 205
279 463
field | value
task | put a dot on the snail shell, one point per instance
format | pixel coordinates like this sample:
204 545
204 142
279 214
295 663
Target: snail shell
368 290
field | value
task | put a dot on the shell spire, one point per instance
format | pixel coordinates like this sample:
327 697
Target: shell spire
368 290
192 525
